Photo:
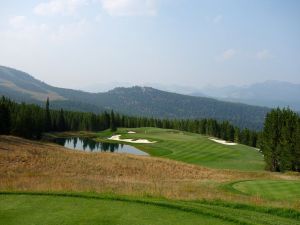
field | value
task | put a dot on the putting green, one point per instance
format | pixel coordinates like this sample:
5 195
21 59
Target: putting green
270 189
75 209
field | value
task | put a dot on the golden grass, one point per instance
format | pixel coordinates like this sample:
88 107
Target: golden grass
37 166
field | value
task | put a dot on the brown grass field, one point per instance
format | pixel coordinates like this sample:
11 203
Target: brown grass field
39 166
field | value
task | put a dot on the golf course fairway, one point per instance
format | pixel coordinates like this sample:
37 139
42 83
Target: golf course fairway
192 148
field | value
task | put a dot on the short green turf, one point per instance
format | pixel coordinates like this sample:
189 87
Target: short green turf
55 209
48 210
194 148
270 189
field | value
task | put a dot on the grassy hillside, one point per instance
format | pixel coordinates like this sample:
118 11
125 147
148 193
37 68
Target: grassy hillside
27 165
43 183
137 101
195 149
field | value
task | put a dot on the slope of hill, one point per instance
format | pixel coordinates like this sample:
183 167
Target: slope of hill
138 101
152 102
269 93
22 87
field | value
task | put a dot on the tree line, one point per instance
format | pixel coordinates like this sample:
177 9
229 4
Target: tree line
30 121
280 140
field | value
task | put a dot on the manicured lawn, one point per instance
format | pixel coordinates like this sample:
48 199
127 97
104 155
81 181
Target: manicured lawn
48 210
52 209
194 148
270 189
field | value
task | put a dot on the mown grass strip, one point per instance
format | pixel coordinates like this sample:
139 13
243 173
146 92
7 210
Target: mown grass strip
216 209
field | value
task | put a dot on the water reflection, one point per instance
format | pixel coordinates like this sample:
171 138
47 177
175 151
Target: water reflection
89 145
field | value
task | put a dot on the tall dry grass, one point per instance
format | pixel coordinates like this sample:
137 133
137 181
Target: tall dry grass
36 166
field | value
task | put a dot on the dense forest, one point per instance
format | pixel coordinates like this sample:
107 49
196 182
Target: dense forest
280 141
30 121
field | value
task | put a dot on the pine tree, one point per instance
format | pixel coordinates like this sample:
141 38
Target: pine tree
47 117
61 126
270 140
5 119
297 147
113 126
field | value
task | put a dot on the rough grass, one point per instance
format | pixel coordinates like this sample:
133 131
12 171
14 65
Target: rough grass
60 208
194 148
270 189
42 183
38 166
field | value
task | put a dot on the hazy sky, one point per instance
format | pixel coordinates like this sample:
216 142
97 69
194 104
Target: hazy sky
77 43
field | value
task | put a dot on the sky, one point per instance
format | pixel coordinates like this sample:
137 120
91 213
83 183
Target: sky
85 43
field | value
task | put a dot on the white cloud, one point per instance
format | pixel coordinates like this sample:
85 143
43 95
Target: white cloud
130 7
70 31
64 7
17 21
217 19
23 29
98 18
228 54
264 55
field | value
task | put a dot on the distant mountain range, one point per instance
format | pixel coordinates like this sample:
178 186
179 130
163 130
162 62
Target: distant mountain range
137 101
269 93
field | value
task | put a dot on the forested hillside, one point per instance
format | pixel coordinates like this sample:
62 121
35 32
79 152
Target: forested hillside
30 121
135 101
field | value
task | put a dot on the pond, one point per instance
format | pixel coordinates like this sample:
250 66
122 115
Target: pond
89 145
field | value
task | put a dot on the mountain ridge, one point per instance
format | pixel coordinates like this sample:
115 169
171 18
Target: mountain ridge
135 101
270 93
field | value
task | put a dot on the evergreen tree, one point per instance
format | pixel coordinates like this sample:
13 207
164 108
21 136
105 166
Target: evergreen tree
296 165
5 120
47 117
113 126
270 140
61 126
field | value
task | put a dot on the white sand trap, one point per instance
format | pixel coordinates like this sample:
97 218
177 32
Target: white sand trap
222 142
131 132
138 141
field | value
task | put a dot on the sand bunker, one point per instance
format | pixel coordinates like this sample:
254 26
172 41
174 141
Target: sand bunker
138 141
131 132
222 142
